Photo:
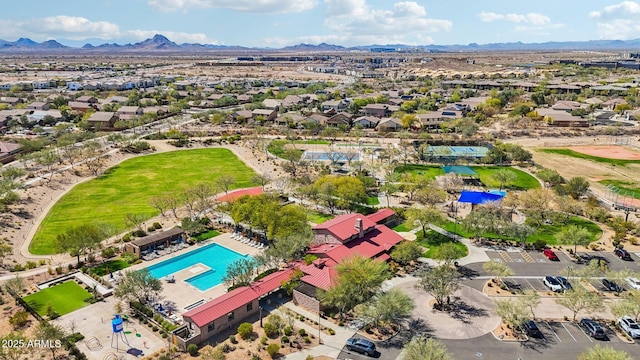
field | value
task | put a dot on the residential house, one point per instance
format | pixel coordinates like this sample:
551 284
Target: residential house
81 106
266 114
335 105
339 119
473 102
292 100
561 118
129 112
74 86
38 105
289 118
8 151
389 124
367 122
158 110
103 119
379 110
271 104
38 115
87 99
433 119
565 105
317 118
240 116
612 103
10 100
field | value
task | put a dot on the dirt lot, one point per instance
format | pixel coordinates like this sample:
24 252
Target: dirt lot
609 151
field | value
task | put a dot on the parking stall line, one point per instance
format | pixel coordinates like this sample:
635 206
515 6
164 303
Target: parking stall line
553 331
530 284
569 332
585 334
543 285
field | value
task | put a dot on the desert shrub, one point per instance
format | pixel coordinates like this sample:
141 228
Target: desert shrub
302 332
19 319
245 330
192 349
263 340
332 332
157 225
272 350
270 330
285 339
288 330
232 339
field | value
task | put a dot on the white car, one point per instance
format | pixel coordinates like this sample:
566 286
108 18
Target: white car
634 283
553 284
630 326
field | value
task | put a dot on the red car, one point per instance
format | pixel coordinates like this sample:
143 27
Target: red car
550 255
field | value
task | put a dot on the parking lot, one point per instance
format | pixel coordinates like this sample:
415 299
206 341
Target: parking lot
385 350
561 340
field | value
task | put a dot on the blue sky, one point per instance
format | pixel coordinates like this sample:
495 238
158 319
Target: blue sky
277 23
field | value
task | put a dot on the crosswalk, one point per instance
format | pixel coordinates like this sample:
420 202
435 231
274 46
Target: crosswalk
516 256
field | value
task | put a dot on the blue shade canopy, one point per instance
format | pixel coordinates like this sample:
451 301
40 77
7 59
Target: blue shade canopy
478 197
460 170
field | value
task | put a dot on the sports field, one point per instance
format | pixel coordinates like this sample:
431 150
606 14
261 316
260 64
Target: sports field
523 181
128 187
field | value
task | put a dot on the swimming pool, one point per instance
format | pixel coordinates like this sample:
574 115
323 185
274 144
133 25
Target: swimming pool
323 156
216 257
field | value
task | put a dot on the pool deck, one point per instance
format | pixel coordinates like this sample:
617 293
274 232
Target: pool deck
180 294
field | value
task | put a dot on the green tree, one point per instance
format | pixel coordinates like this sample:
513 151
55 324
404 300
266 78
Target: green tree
49 331
138 285
424 216
629 305
389 189
423 348
225 182
405 252
240 272
385 308
530 299
511 312
448 253
440 282
580 299
575 187
504 177
81 239
604 353
245 330
497 269
13 352
574 235
357 280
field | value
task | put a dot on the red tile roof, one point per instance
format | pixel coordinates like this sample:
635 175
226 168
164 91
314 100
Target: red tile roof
381 215
320 273
236 298
239 193
373 243
344 226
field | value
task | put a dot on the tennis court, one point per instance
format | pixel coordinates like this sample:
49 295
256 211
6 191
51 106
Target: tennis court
456 152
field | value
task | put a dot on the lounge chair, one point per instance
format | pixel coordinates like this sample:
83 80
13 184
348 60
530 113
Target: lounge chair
261 246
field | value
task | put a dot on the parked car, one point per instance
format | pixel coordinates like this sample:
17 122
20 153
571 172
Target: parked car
611 285
629 326
550 254
592 329
553 284
530 328
622 254
362 346
634 283
566 285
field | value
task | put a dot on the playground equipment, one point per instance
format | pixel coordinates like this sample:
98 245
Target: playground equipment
118 332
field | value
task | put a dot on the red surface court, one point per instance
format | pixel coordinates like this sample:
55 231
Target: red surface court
609 152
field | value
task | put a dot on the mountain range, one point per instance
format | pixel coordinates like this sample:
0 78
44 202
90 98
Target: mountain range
160 43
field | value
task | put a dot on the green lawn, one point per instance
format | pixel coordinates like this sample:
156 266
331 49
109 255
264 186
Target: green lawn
128 187
313 142
630 188
429 171
373 200
318 217
112 265
277 148
404 227
433 240
575 154
545 232
63 298
206 235
523 180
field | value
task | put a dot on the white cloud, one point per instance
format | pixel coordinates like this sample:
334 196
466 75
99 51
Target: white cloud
530 18
80 28
359 23
624 9
257 6
618 21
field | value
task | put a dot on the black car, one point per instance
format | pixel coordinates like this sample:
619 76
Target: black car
611 285
587 258
362 346
622 254
531 329
592 329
